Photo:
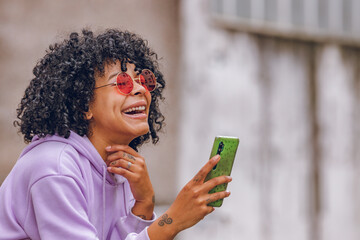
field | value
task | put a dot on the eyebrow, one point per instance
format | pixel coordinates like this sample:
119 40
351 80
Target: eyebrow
113 75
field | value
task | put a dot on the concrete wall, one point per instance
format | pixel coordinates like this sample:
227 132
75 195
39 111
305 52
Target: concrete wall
294 106
28 27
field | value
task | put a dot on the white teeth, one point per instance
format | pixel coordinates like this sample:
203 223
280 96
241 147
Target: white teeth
141 108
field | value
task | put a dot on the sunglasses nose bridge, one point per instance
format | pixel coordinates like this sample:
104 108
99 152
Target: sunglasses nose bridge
138 87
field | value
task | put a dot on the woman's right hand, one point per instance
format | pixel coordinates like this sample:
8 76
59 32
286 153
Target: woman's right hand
191 204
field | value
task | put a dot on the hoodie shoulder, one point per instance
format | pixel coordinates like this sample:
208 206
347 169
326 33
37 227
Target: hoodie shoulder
73 157
48 158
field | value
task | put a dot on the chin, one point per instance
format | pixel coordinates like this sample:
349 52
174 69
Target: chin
141 131
144 132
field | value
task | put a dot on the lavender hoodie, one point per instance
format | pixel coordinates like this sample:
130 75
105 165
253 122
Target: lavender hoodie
60 189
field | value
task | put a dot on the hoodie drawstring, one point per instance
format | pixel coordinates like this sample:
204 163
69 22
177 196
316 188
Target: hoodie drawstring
104 200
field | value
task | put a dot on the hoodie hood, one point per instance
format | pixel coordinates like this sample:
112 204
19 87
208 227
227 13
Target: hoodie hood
84 147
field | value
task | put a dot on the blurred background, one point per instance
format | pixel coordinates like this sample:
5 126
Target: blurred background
282 75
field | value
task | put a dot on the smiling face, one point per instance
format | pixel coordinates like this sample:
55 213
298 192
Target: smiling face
116 118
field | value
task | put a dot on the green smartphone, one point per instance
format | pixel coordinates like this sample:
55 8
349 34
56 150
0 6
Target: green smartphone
226 147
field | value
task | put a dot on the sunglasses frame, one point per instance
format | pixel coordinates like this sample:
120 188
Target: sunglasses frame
134 80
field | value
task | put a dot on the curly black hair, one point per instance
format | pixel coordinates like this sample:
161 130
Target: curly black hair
59 95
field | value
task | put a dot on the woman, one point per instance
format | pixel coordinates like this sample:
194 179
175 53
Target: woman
93 101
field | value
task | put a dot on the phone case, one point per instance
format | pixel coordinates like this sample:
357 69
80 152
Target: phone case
226 147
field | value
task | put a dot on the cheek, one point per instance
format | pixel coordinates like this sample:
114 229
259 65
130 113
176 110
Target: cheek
109 102
96 104
148 99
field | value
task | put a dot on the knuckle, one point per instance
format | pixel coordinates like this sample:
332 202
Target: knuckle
200 202
136 179
195 193
216 181
113 163
141 163
186 188
210 210
218 196
118 154
204 210
200 174
212 162
121 162
197 178
221 195
141 171
111 157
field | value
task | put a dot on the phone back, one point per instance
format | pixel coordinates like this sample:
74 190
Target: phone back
226 147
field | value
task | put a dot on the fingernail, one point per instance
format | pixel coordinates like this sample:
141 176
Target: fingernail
216 158
108 148
109 169
228 193
229 178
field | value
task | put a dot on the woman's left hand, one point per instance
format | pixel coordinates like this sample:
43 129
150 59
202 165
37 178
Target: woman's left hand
125 161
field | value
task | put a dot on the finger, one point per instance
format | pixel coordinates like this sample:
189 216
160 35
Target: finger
120 155
200 176
123 172
211 210
216 181
217 196
208 210
113 157
124 148
125 165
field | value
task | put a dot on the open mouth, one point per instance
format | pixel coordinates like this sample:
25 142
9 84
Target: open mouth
135 110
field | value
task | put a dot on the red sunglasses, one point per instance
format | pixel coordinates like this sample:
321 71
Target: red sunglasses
125 83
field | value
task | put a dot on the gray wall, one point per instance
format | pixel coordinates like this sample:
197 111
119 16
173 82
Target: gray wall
28 27
295 107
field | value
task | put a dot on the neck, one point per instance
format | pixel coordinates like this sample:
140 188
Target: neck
100 143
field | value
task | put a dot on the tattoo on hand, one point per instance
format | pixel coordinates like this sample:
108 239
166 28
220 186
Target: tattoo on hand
165 219
197 178
131 157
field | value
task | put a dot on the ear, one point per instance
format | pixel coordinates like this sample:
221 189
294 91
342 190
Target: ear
88 115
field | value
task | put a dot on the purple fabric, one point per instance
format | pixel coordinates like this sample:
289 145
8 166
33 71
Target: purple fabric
60 189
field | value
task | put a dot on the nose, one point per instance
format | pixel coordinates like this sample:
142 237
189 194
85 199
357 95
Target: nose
138 89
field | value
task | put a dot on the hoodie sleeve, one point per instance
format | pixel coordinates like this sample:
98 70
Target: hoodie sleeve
130 227
58 210
137 225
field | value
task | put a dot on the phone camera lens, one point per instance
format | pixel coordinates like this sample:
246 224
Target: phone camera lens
220 148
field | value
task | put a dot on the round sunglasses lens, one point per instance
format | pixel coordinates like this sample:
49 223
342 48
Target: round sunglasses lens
124 83
148 79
